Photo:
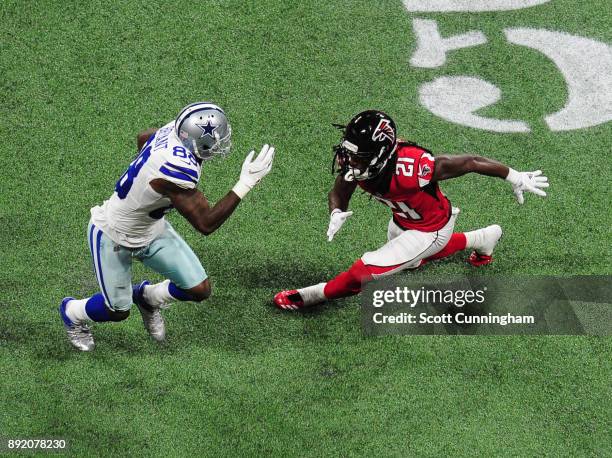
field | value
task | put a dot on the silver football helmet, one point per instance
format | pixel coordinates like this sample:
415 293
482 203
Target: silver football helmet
204 130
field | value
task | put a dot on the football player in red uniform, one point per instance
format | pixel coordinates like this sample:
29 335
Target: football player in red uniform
405 177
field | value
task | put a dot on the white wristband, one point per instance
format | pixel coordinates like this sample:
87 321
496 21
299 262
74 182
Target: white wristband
513 177
241 189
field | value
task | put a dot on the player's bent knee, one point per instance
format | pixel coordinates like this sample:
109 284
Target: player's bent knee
200 292
366 272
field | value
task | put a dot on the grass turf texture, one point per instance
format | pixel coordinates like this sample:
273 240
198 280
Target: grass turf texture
236 376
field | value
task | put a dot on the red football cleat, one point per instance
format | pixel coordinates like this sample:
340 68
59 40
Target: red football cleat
289 300
478 260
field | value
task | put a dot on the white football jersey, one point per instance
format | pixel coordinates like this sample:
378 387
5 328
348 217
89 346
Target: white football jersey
133 216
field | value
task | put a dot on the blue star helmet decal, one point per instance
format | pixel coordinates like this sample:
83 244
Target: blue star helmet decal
204 130
207 129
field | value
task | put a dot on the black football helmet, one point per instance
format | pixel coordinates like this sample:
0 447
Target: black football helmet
371 138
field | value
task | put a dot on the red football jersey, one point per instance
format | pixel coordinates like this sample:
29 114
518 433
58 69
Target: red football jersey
415 201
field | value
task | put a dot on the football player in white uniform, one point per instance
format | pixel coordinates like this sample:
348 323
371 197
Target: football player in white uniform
131 223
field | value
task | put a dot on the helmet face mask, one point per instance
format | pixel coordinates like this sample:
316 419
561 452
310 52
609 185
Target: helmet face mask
204 130
368 142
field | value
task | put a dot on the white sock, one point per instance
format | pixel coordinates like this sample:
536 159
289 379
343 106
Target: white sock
473 239
75 311
312 294
483 240
158 295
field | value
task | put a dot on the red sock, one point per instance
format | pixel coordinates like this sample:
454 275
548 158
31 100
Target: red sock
456 243
348 283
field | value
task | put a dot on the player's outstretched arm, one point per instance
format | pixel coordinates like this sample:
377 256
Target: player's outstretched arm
339 198
448 167
194 206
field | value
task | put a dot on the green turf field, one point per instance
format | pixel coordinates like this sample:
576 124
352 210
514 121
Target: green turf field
237 377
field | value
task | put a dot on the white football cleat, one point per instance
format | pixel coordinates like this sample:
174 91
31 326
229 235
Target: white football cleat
485 241
78 334
151 316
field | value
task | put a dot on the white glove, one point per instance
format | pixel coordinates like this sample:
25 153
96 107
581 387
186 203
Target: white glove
336 220
527 181
253 170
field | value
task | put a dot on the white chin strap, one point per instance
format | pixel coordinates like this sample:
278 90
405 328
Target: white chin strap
356 175
196 151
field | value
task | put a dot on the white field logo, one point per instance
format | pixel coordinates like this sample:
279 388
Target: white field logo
585 64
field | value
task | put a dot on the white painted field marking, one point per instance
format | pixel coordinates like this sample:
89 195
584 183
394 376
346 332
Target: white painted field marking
469 5
586 66
432 48
456 98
